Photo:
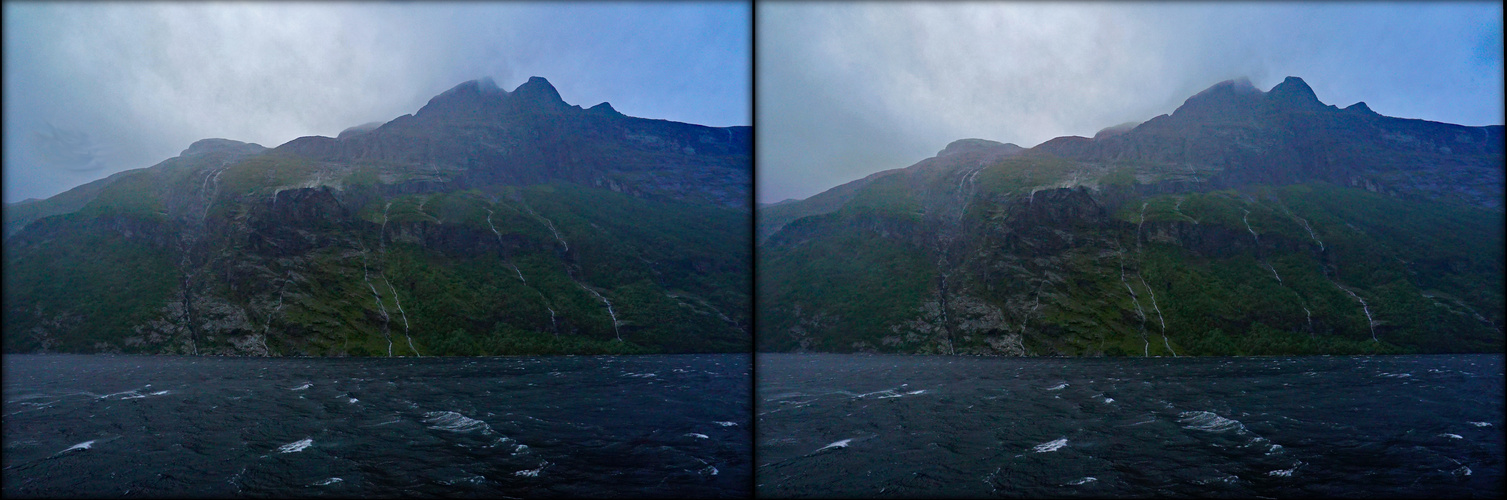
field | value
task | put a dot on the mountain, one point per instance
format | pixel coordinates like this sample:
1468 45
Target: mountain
1246 222
488 222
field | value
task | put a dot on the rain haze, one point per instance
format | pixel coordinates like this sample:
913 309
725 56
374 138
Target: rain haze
848 89
92 89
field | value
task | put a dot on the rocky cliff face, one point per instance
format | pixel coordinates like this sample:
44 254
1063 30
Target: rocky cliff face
1245 222
490 222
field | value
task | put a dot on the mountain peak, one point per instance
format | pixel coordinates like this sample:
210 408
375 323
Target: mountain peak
538 90
1294 91
605 108
202 146
963 145
1222 99
1361 108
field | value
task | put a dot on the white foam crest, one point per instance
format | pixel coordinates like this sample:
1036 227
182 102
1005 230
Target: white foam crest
730 424
640 375
1209 421
329 481
1462 471
837 444
1451 436
1085 480
1058 387
532 472
1481 424
696 435
296 446
1050 446
81 446
455 422
306 385
712 471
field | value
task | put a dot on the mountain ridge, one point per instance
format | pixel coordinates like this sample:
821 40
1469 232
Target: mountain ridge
1245 222
488 222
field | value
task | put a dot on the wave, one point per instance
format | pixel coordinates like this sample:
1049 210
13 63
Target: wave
697 436
329 481
1085 480
533 472
1480 424
81 446
730 424
1209 421
306 385
455 422
296 446
1050 445
1058 387
837 444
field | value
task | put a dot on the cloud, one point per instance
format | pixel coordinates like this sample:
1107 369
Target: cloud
848 89
144 80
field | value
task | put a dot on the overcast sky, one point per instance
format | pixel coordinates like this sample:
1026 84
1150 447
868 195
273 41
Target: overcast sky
848 89
96 88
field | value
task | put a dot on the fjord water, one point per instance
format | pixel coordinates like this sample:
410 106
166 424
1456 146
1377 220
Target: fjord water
670 425
906 426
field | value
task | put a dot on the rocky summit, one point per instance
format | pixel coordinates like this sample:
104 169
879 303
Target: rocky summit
1245 222
488 222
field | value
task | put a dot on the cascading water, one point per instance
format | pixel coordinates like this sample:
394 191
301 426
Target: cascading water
1146 351
1369 322
499 243
366 275
609 309
399 303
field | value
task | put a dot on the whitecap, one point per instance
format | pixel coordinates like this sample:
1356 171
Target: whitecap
1050 445
1481 424
709 471
1282 473
1209 421
329 481
697 436
306 385
1109 400
81 446
1058 387
725 424
1085 480
1451 436
296 446
1462 471
455 422
838 444
532 472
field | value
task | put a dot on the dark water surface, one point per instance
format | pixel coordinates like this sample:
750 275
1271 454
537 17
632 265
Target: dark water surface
905 426
675 425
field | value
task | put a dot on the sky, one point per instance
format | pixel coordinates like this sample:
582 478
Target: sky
91 88
846 89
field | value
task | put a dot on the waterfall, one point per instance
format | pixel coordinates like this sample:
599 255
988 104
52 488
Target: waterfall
404 314
609 309
499 243
547 223
1246 218
1369 322
366 275
1146 350
1159 317
1138 226
1179 209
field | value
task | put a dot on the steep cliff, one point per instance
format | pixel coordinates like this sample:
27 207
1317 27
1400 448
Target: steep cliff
1246 222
